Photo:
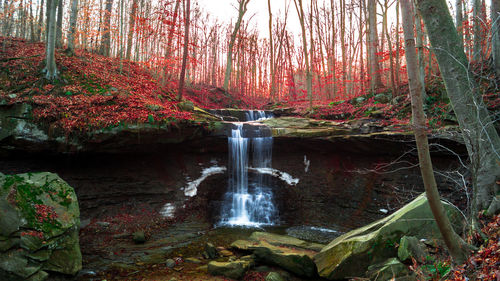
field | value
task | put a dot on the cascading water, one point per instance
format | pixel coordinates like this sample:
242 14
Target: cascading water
249 203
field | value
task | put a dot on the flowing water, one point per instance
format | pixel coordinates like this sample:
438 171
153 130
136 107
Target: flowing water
249 202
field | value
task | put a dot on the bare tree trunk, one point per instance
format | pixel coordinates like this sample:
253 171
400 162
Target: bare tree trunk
106 36
420 54
131 27
300 12
40 22
389 45
59 24
242 9
72 26
187 11
476 53
50 69
271 49
459 20
495 34
455 244
32 24
376 79
481 138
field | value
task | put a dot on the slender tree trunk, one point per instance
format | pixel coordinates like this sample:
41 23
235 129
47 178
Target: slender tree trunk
420 54
495 34
106 36
59 24
481 138
50 68
398 46
476 53
300 12
241 12
389 45
72 26
455 244
271 49
131 27
32 24
376 79
459 21
187 11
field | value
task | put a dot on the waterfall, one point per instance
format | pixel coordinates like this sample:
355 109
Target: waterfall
248 202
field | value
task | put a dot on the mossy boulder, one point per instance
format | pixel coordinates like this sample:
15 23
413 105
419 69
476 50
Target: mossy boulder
232 269
352 253
287 252
39 219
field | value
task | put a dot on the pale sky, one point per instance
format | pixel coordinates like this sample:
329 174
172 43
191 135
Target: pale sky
227 11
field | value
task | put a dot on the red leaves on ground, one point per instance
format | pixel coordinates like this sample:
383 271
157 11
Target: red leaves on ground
485 264
93 92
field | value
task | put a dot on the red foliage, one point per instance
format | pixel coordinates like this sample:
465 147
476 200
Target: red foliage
93 92
485 264
45 213
33 233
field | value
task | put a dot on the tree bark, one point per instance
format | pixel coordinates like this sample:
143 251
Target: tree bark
454 243
40 22
187 11
459 20
131 27
242 9
481 138
300 12
59 24
495 34
476 53
106 36
375 79
72 26
50 68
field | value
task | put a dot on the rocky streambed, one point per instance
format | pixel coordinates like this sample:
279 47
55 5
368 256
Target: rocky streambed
150 195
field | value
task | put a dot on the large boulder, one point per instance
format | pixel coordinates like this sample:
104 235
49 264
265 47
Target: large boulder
352 253
287 252
39 219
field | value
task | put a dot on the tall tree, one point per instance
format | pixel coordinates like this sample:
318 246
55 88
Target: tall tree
271 51
459 19
59 24
50 68
480 136
72 26
495 34
40 23
455 244
300 13
131 27
106 36
242 9
187 11
375 79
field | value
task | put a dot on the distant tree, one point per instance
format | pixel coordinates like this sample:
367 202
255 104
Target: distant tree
40 22
456 246
72 26
478 130
375 79
300 13
106 36
50 68
495 34
59 24
242 9
131 27
187 11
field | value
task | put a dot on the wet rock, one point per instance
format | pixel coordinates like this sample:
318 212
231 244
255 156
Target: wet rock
170 263
274 276
193 260
352 253
287 252
410 246
235 269
391 268
211 251
314 234
139 237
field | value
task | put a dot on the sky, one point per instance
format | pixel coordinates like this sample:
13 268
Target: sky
227 11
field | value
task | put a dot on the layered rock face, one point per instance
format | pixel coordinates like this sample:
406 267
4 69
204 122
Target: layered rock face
39 222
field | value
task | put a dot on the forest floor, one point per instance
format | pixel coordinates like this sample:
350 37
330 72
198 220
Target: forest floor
98 92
